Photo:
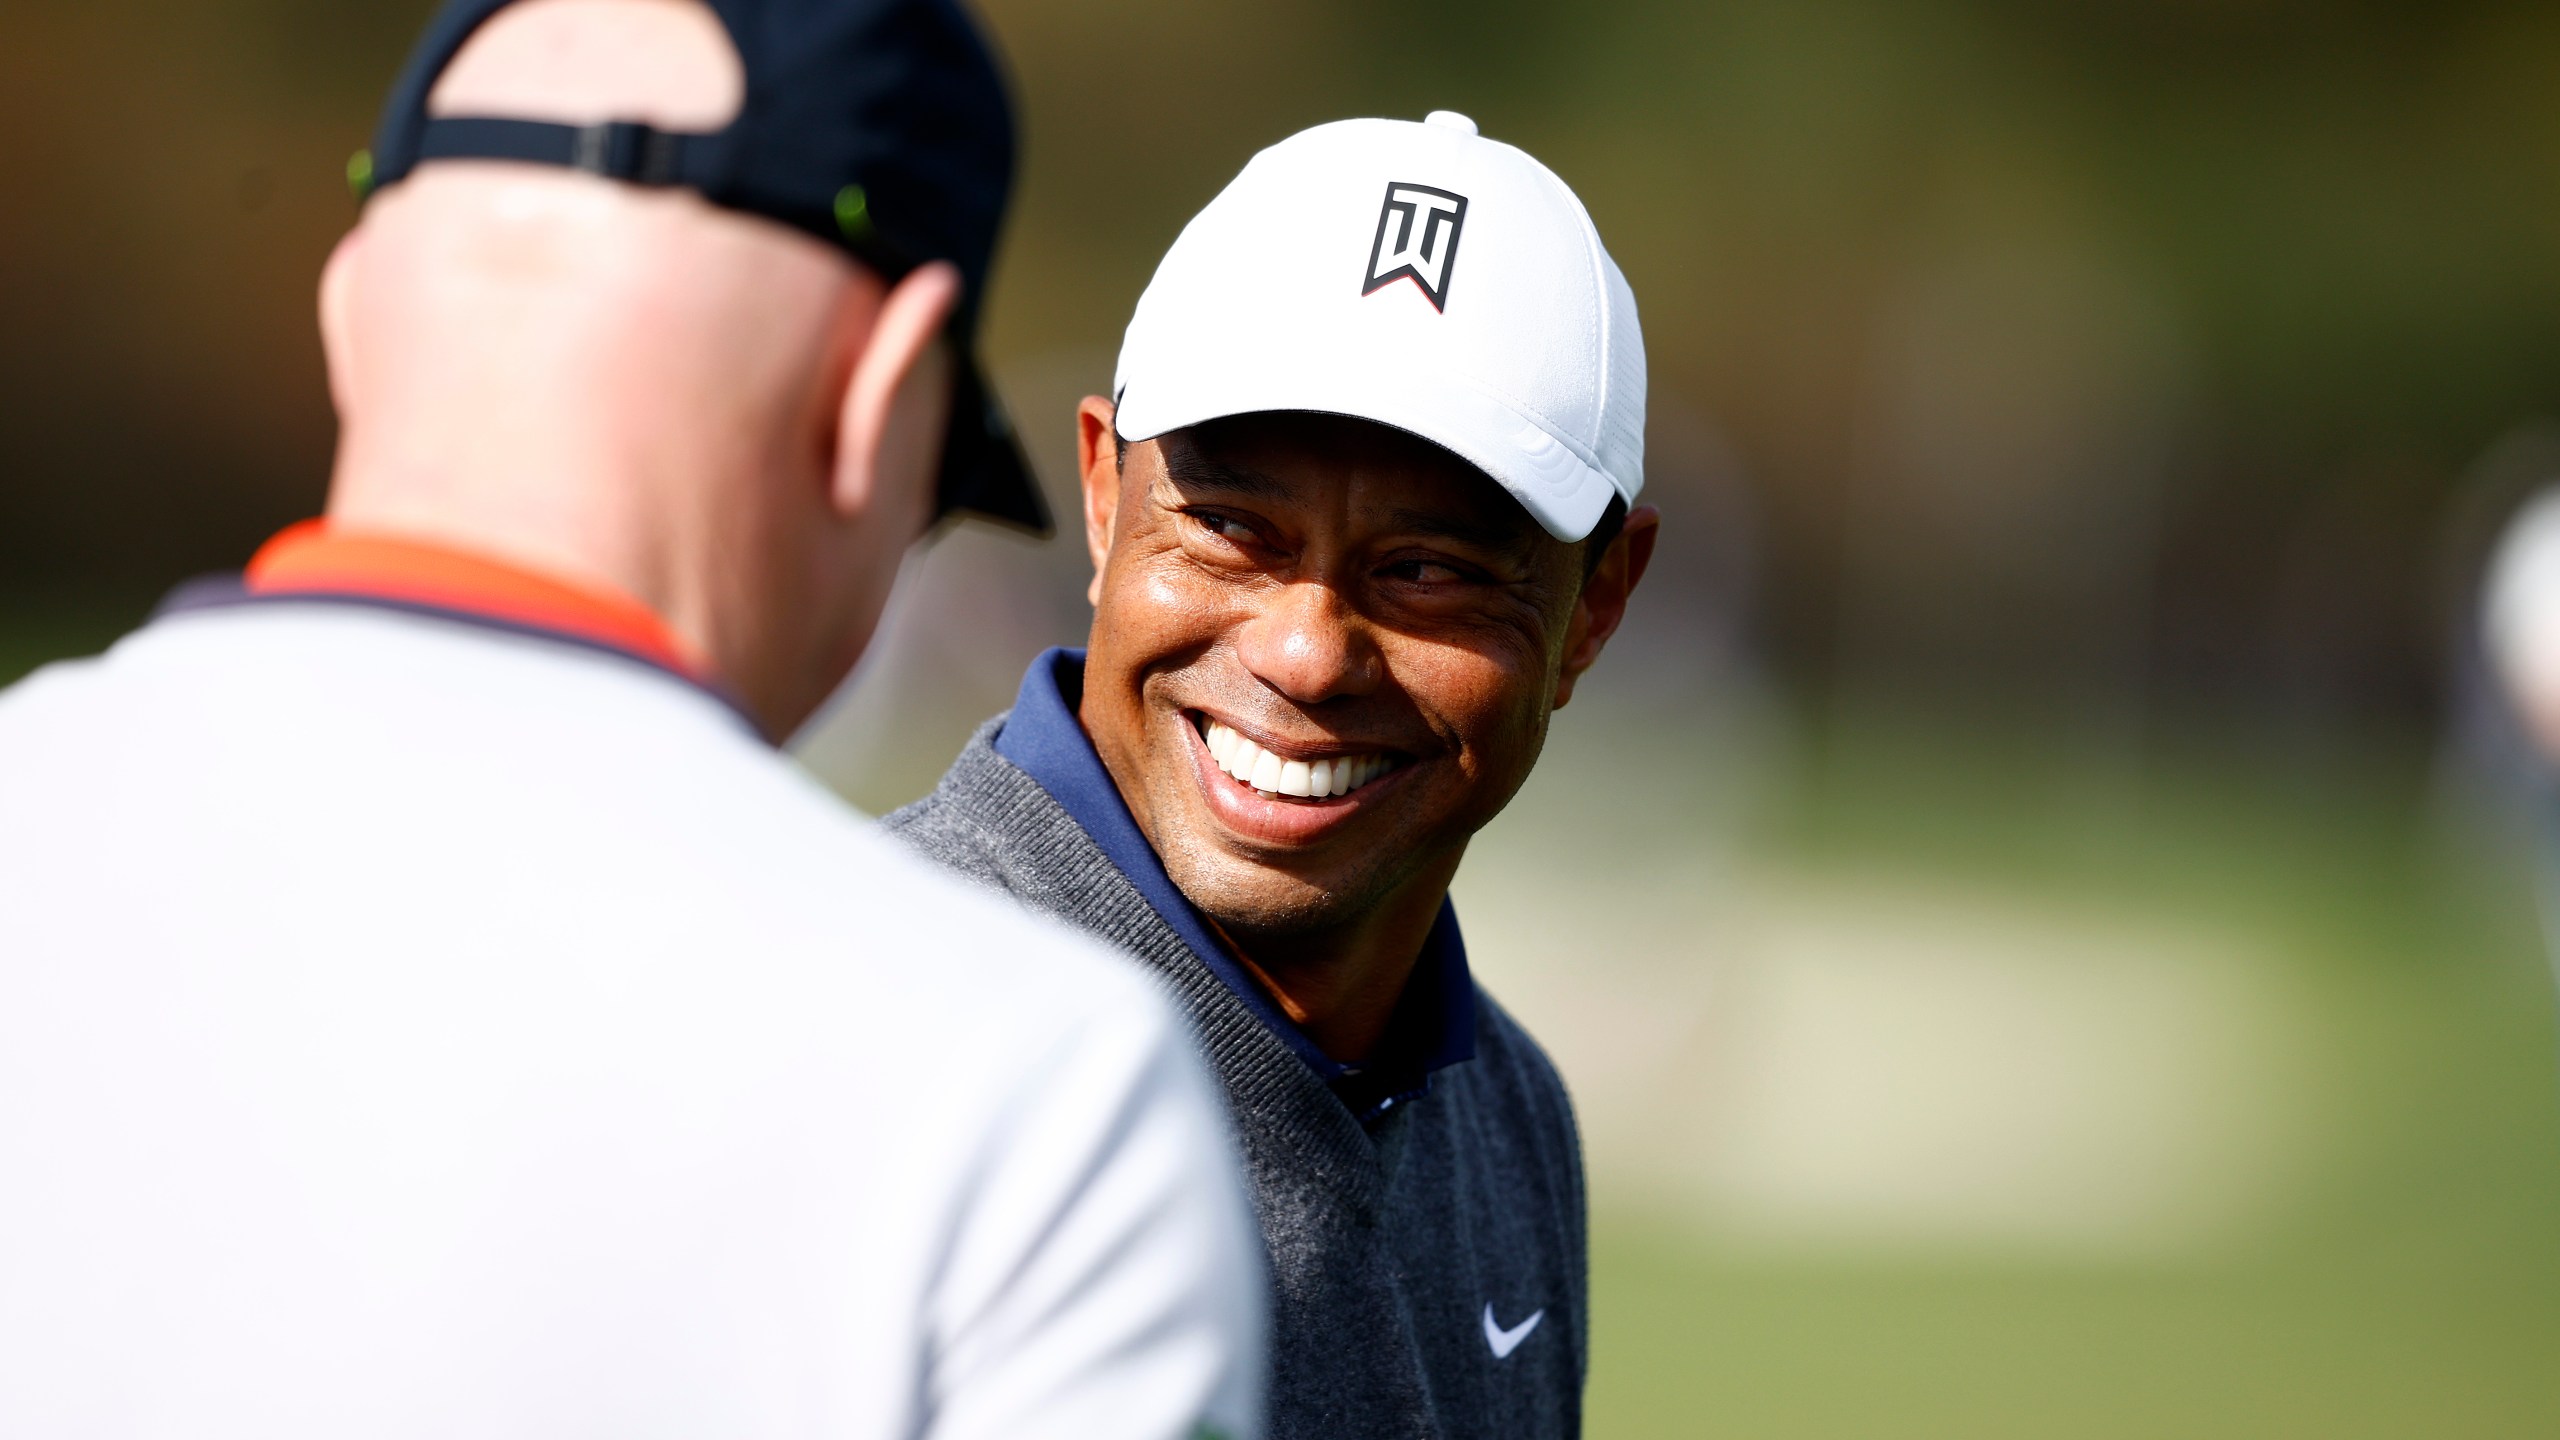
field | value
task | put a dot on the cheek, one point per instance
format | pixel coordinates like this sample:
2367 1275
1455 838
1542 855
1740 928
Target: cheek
1491 698
1156 603
1167 598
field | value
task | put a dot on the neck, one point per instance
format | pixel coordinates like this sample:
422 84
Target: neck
1341 983
524 468
586 509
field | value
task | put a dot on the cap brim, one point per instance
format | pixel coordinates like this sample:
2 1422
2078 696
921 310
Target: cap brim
984 472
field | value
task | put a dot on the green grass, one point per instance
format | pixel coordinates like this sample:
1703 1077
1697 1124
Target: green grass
1686 1346
2418 1295
2412 1290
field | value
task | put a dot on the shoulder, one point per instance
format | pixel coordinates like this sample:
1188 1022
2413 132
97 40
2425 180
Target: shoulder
948 918
1507 1049
1512 1079
990 821
45 696
80 690
593 803
956 825
921 924
1533 1114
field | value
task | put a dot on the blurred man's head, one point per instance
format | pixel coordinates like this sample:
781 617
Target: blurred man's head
2520 619
726 415
1353 543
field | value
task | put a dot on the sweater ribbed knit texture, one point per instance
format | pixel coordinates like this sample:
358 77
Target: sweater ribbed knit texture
1387 1244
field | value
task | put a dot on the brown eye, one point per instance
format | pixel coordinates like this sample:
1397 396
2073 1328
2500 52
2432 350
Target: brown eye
1235 532
1426 572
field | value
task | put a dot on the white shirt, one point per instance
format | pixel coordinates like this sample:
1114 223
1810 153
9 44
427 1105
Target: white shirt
410 1029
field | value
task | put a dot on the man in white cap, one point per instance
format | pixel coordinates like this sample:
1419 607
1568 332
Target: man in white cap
2519 638
429 1006
1360 517
2520 619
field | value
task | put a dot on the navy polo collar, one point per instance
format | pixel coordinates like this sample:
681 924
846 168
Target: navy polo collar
1434 1023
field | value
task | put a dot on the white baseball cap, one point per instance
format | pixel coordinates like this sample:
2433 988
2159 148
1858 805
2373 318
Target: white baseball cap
1417 275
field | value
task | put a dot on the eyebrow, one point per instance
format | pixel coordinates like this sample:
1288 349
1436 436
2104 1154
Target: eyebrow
1194 471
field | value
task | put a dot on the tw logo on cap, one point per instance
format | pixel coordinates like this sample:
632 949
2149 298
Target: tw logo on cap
1417 237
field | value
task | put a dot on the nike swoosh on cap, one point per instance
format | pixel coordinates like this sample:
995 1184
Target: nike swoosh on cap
1502 1342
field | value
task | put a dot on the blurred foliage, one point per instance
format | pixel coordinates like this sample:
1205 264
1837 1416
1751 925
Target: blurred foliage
2336 219
2294 257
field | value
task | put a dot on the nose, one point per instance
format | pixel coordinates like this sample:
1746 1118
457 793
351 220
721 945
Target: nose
1310 646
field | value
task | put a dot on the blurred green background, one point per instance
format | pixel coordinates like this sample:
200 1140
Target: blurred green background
2040 940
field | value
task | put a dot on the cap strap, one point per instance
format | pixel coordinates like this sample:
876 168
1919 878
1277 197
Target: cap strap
615 149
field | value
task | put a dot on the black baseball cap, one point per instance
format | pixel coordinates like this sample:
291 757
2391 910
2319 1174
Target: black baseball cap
879 126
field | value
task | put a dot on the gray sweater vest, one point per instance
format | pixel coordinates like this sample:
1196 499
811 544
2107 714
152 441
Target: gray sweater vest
1406 1259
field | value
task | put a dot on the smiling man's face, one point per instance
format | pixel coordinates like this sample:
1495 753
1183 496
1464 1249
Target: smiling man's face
1323 656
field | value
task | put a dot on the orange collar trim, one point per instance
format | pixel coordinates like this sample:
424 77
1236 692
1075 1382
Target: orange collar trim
315 558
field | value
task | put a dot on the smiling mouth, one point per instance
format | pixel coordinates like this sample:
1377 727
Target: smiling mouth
1279 777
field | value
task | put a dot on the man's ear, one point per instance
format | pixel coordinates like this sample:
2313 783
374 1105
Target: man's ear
897 400
337 322
1603 602
1098 463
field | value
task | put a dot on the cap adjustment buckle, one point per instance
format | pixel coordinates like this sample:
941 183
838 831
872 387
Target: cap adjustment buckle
625 150
630 151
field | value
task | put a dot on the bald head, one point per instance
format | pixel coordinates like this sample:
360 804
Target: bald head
667 63
632 386
481 296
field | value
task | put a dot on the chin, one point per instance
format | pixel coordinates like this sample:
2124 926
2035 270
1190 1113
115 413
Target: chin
1242 892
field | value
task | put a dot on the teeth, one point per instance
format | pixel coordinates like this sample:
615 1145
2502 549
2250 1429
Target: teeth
1269 773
